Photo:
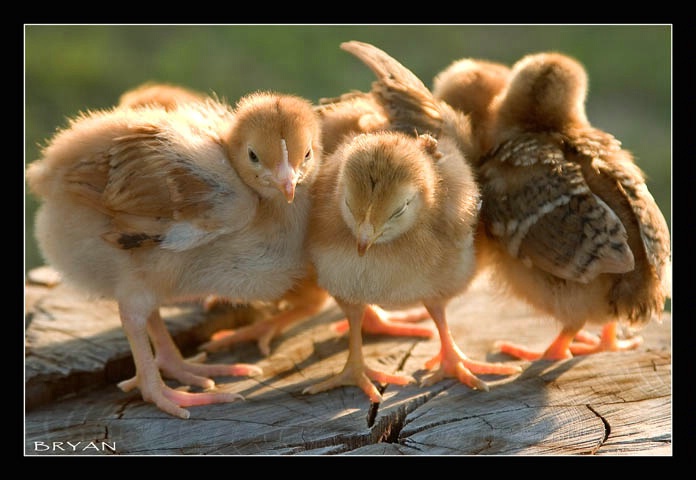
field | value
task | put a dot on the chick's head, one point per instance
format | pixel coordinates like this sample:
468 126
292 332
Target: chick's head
545 91
274 143
469 85
387 180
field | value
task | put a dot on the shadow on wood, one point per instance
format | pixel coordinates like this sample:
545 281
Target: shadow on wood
604 404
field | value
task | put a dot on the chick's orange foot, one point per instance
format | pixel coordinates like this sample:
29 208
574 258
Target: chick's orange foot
376 321
262 331
607 342
360 375
451 362
192 371
168 362
568 343
171 401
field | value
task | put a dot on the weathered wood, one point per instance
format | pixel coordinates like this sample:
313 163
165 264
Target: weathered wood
604 404
74 343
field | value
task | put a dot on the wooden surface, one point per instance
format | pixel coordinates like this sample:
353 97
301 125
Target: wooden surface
604 404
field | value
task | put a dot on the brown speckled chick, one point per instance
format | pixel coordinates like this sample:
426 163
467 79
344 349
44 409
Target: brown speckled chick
161 202
393 224
569 224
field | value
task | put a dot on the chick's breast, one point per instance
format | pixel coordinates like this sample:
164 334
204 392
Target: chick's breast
432 259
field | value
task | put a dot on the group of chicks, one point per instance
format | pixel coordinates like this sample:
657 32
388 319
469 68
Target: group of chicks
382 200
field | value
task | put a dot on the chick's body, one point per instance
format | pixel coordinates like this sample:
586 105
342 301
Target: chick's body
370 172
568 222
147 204
393 221
394 200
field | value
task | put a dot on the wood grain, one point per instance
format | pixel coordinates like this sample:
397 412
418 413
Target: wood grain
613 404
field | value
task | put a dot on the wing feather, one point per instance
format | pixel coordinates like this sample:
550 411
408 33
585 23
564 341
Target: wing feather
544 212
149 179
654 231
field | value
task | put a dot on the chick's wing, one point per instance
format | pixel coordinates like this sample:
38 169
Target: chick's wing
545 213
402 94
629 183
153 186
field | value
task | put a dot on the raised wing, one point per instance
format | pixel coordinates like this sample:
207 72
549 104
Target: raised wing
408 102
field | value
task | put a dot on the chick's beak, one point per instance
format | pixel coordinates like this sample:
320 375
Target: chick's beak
289 190
286 179
366 237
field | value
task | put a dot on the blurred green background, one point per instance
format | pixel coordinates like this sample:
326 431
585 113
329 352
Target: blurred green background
70 68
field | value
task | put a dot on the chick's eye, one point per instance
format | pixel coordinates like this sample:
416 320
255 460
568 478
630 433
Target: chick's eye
400 211
252 156
348 206
308 155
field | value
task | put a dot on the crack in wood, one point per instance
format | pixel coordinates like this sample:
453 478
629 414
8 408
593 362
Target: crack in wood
489 445
122 409
431 425
390 426
374 407
607 429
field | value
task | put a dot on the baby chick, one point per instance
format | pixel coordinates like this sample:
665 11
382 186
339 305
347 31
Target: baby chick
341 119
303 300
569 224
151 204
393 224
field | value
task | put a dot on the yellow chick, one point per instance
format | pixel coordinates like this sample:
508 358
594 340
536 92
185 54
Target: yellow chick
303 300
393 224
569 225
151 204
341 119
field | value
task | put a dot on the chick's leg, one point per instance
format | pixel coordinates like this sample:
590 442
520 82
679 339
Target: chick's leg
147 374
191 371
558 350
356 372
379 322
453 363
607 342
305 304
